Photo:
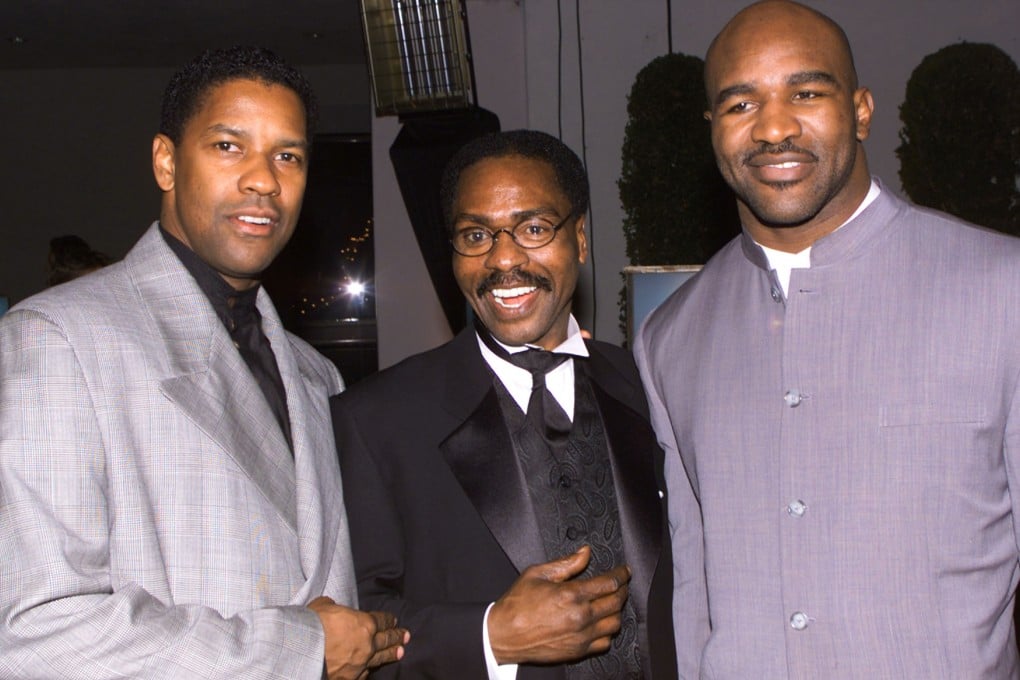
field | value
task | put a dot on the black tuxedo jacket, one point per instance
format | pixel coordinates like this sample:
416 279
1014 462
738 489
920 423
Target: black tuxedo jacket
441 519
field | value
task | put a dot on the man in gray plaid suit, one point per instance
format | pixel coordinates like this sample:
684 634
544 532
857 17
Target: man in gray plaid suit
170 498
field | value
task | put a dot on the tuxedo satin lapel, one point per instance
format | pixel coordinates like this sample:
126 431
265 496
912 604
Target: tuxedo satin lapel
631 443
205 376
481 456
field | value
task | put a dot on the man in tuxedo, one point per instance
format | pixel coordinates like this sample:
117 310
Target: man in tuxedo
504 489
170 499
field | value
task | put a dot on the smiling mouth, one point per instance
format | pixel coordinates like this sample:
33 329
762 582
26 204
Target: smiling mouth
781 171
511 298
254 220
255 226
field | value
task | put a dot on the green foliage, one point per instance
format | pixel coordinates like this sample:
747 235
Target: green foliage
677 208
960 140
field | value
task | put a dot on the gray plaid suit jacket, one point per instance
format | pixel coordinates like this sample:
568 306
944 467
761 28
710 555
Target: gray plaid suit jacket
153 522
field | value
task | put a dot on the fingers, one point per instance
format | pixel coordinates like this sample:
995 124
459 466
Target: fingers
609 605
391 637
387 655
608 583
388 640
564 568
550 616
606 620
383 620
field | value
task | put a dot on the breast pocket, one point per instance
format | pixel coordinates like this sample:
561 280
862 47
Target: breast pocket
932 413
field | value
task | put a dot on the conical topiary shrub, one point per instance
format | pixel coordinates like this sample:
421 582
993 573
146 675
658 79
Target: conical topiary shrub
678 209
960 140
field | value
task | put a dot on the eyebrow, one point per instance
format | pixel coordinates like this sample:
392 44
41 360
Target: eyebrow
733 91
805 77
518 216
795 80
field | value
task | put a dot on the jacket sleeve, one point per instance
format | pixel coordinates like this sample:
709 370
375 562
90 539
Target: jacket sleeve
691 622
63 611
446 637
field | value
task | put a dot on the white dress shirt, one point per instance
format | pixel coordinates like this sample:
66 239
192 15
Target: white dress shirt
782 262
518 381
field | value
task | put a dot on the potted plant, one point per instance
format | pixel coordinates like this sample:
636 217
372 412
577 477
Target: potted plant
678 210
960 140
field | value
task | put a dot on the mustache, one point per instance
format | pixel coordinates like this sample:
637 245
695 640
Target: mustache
766 149
513 279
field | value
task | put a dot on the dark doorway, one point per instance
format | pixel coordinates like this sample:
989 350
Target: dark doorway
323 281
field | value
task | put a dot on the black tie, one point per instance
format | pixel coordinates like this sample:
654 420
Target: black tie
544 414
244 323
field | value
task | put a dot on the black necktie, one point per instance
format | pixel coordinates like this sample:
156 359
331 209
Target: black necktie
544 414
244 323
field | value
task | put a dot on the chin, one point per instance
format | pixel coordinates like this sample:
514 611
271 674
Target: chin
511 337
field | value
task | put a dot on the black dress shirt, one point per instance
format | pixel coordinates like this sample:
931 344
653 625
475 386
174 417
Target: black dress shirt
237 310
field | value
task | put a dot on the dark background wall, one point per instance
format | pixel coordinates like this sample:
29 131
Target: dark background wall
77 156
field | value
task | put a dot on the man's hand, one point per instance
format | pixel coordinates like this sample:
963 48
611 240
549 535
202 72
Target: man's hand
357 641
547 618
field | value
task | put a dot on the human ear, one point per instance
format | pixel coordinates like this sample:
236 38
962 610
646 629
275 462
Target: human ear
582 240
864 106
163 164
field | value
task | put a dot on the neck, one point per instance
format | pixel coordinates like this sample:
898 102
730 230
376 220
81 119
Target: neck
831 216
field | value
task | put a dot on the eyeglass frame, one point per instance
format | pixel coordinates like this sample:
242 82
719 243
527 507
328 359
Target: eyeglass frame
492 236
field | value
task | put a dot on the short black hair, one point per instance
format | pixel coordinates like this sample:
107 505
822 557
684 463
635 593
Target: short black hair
188 87
569 170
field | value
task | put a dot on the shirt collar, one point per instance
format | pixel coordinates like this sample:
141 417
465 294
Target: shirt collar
228 302
574 344
779 259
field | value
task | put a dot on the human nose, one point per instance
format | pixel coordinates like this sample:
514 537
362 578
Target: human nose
775 124
259 177
505 253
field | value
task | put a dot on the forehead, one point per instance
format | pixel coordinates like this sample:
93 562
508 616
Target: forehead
508 183
766 46
252 100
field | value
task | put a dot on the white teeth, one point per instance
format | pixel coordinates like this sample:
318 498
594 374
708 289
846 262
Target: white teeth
254 220
512 292
507 305
785 166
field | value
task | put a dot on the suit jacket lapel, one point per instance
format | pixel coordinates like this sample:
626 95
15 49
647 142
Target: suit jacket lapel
481 455
205 376
319 497
631 443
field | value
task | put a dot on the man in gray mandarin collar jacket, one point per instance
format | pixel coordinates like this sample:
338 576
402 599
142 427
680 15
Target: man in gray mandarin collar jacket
158 519
836 393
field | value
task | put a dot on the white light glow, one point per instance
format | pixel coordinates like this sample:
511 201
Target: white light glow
355 288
